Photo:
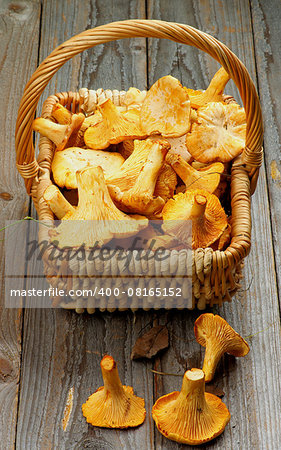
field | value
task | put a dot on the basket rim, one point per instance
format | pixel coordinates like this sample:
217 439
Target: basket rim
181 33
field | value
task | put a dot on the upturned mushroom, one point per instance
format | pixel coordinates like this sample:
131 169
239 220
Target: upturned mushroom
207 178
191 416
214 92
114 128
218 134
113 405
97 220
202 209
67 162
61 135
214 333
140 198
166 109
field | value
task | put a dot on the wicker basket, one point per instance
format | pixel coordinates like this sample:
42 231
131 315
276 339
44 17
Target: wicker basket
215 274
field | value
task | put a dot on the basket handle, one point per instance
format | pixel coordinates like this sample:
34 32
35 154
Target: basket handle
184 34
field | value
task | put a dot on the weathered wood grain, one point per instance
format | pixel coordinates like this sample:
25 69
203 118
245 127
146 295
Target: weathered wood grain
19 31
62 350
266 18
251 384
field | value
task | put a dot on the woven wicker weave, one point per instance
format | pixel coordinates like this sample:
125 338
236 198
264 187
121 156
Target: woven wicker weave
215 274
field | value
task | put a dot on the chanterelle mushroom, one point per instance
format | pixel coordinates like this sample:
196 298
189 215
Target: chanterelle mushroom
203 209
207 178
166 109
114 128
218 134
61 114
61 135
134 98
140 198
67 162
214 92
167 178
113 405
214 333
97 220
191 416
57 202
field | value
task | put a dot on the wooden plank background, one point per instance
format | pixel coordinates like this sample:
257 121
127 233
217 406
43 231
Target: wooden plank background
61 350
19 24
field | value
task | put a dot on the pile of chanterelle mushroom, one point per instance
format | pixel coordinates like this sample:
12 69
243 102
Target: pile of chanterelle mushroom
191 416
164 154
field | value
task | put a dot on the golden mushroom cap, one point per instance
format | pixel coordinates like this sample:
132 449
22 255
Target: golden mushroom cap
113 405
114 127
67 162
209 326
191 416
166 109
218 134
203 209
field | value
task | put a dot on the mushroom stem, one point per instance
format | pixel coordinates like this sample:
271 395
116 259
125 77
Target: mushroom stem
54 131
213 354
193 388
112 382
61 114
207 179
218 83
147 178
57 202
214 91
186 172
199 206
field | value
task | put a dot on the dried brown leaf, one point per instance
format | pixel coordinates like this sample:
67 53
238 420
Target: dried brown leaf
151 343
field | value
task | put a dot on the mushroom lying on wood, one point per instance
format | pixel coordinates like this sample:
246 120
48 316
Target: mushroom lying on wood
97 220
214 333
166 109
67 162
60 135
191 416
113 405
202 209
114 128
207 178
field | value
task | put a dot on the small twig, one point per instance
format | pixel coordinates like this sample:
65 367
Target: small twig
261 331
165 373
21 220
